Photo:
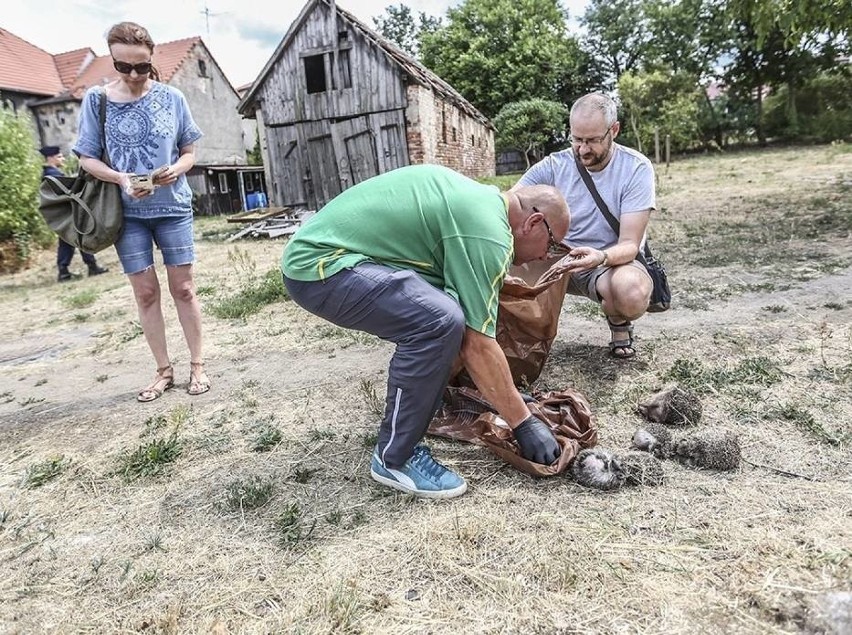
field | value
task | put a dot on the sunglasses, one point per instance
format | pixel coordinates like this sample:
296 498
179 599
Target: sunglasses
123 67
552 244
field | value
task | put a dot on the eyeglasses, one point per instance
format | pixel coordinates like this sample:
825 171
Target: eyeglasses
552 245
589 141
123 67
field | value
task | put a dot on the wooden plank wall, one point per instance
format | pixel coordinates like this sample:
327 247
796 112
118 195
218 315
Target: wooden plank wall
376 83
314 160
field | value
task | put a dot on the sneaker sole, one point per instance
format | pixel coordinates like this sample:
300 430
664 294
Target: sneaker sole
444 493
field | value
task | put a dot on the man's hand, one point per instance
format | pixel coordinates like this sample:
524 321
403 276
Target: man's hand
584 259
536 441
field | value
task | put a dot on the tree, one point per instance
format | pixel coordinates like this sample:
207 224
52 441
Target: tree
795 19
499 51
659 99
21 226
618 35
530 126
399 26
775 61
255 155
688 36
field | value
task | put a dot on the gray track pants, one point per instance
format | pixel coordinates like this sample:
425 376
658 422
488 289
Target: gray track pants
426 324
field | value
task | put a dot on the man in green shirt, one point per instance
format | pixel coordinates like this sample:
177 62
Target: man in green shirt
417 256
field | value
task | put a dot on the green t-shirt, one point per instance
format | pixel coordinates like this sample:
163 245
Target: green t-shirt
448 228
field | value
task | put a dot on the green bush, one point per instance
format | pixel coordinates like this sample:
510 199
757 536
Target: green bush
531 126
659 99
21 225
823 109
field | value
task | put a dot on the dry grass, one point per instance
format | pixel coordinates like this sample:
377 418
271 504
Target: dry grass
761 326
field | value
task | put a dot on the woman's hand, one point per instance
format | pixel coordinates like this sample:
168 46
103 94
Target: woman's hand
127 185
166 175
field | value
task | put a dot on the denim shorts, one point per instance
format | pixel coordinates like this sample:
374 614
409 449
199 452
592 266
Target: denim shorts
171 234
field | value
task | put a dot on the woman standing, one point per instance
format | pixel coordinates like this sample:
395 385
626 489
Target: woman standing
149 128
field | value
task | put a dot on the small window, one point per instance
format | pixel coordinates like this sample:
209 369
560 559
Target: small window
46 123
472 142
223 182
202 68
443 124
315 74
344 69
343 36
454 134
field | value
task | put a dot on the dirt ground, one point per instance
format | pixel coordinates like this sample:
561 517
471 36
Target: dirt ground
760 260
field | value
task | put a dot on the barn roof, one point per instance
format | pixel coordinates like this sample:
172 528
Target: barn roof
412 68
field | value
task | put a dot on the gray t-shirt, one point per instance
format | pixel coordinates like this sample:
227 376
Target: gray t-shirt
626 185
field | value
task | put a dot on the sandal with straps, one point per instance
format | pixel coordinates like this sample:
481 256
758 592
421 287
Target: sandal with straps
160 385
621 348
199 383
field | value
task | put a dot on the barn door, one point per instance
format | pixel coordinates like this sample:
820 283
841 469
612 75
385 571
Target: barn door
361 156
288 172
391 140
324 179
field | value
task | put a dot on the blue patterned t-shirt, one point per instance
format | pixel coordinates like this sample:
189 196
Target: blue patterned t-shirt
142 136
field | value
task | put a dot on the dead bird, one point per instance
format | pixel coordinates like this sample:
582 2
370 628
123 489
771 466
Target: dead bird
641 468
674 406
597 468
653 438
709 448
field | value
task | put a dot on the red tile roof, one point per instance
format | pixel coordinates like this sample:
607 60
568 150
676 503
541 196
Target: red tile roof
26 68
71 63
167 59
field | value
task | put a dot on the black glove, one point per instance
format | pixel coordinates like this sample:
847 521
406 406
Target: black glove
536 441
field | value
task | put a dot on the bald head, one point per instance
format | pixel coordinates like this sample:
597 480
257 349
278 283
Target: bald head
549 201
539 218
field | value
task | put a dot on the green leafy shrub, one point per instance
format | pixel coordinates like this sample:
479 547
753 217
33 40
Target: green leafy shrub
822 106
531 126
661 99
21 226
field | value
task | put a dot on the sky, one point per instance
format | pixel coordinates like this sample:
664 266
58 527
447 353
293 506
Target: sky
241 34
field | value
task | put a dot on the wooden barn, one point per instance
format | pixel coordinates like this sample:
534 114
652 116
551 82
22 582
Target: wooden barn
337 103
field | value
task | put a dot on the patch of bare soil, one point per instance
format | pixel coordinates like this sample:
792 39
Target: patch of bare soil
250 509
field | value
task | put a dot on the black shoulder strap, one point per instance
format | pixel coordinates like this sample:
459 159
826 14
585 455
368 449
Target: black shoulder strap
102 118
587 179
644 253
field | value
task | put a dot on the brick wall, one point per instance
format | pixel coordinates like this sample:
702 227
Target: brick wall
439 132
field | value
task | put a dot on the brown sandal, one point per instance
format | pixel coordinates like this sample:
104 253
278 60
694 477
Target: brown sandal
199 383
621 348
160 385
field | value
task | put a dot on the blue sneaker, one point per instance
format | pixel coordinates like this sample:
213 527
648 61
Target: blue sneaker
421 475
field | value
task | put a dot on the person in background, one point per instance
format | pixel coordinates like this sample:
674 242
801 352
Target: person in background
149 130
417 257
53 161
604 266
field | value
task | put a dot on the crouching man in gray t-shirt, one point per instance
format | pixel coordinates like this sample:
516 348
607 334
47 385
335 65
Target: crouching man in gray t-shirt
604 266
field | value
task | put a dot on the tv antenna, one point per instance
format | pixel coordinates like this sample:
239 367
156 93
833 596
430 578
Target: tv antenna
207 13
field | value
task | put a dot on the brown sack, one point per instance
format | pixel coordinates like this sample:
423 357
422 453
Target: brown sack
467 416
530 303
